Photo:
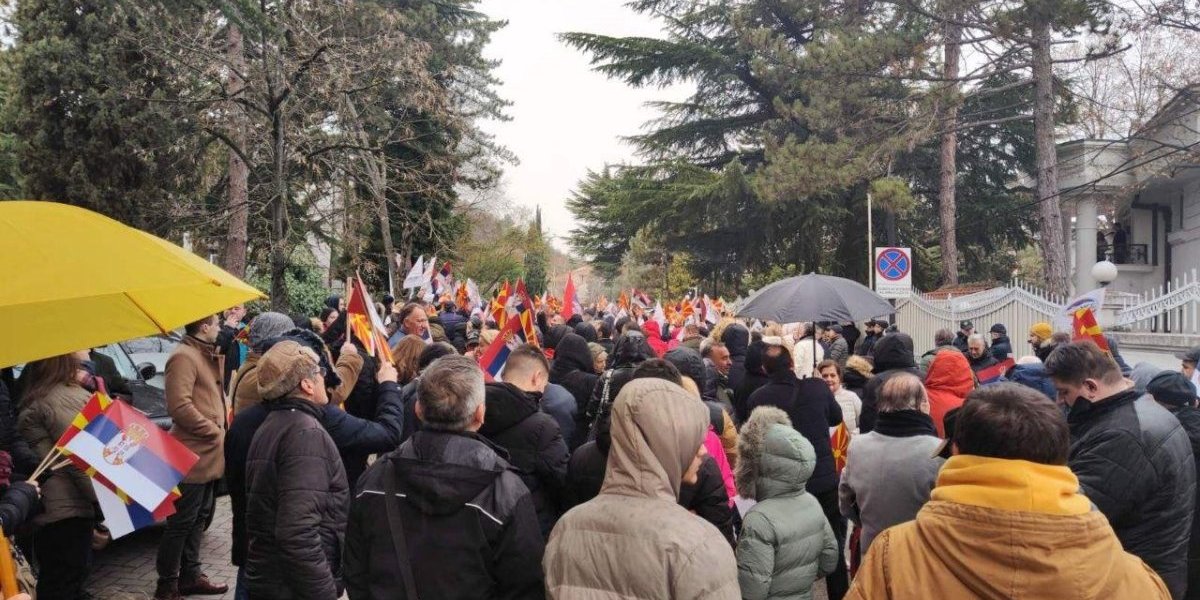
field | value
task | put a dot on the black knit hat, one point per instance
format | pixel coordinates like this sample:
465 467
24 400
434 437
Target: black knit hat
999 328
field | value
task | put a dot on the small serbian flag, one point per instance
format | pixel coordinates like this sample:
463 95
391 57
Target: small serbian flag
128 450
123 516
995 372
494 358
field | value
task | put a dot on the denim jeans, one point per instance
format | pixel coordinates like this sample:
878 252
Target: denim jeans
239 589
179 550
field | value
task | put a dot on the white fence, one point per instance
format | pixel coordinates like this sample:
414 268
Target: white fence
1017 306
1172 308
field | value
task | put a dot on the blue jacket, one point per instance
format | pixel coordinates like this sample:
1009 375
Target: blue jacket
560 404
1034 376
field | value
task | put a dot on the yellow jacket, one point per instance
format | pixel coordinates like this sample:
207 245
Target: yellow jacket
997 528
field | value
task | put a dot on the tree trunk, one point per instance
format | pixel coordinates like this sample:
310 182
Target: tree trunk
233 256
279 219
1052 239
948 212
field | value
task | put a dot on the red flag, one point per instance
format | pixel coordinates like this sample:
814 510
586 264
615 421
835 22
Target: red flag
365 322
570 305
840 442
994 372
1085 327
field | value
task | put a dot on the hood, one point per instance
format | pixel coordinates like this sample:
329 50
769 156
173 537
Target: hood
571 355
950 372
894 351
631 349
657 428
654 337
853 379
1142 373
507 405
442 471
689 363
754 358
1033 375
586 331
555 335
737 339
774 460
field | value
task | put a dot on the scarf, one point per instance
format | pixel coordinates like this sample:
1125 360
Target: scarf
905 423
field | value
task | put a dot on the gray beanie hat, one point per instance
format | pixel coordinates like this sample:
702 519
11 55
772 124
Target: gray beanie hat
269 325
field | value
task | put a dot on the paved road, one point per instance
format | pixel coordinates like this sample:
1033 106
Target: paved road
125 570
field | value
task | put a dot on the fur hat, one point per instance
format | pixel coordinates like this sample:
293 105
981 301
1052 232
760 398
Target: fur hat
750 447
283 367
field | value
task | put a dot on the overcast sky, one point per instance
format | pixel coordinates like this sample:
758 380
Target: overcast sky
566 118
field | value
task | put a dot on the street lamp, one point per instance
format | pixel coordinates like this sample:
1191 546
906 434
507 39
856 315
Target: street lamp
1104 272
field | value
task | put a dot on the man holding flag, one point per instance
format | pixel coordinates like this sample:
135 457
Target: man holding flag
196 403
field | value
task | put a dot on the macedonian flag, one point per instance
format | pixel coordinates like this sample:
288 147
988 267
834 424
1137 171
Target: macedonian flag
840 442
1085 327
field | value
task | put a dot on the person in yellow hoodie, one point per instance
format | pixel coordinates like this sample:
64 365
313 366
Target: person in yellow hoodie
1006 519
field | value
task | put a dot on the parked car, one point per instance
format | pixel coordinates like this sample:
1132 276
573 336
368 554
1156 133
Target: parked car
155 350
146 385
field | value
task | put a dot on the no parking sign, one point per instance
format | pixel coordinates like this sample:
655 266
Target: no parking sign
893 272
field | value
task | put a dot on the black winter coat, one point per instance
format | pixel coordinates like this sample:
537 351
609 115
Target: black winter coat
893 356
25 461
737 340
19 503
960 342
572 369
468 520
1134 462
813 410
296 506
1001 348
362 403
707 497
1189 418
754 378
534 444
349 434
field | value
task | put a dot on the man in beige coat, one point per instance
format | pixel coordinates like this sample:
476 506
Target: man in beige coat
196 403
634 540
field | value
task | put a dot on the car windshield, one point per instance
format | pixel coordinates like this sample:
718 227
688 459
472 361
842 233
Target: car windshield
155 344
124 366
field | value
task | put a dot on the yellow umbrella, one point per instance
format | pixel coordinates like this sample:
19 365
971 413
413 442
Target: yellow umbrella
75 279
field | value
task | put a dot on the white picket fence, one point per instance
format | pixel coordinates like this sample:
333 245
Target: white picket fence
1171 308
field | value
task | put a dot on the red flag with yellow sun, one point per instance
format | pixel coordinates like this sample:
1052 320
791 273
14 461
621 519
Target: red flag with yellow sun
840 442
1085 327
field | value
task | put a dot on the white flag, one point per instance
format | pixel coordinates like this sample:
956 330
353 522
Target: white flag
473 296
414 277
427 280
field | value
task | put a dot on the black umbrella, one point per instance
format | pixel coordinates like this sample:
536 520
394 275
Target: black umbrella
815 297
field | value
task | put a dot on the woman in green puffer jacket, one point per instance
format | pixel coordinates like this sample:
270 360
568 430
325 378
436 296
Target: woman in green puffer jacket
786 544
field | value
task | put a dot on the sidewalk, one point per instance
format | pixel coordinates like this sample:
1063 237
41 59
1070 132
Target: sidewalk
125 569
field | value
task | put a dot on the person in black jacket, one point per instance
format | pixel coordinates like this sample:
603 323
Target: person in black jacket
531 437
893 354
572 369
753 378
631 350
1001 345
1175 393
350 434
737 339
296 492
24 460
813 410
706 497
1133 459
445 515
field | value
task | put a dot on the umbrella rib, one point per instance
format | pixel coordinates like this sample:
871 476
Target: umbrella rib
147 313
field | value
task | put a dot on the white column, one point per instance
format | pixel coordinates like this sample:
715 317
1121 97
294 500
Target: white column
1085 244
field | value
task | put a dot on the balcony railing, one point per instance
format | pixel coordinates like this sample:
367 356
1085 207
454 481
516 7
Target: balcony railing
1124 254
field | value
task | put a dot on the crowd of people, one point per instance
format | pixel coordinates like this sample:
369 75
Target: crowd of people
617 456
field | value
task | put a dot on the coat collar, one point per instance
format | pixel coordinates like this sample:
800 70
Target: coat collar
1014 485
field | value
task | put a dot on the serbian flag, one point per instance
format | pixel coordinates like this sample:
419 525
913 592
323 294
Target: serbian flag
839 440
995 372
571 304
128 450
1085 327
493 359
522 308
123 516
365 322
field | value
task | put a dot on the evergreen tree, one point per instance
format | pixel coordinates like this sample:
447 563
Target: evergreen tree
536 257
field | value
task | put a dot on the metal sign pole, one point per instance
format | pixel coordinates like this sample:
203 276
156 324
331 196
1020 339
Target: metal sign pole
870 245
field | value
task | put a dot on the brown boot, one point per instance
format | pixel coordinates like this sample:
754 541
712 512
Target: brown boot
167 590
201 586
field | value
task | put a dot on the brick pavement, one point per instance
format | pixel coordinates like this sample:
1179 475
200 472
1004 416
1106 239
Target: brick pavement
125 569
